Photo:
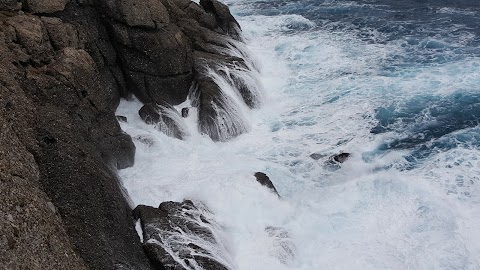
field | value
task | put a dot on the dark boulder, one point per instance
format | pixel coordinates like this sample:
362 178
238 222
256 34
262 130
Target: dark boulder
196 12
185 112
157 63
10 5
219 117
223 16
265 181
179 236
165 117
340 158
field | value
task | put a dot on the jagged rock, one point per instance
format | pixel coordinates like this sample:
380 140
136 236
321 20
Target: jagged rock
179 236
54 103
61 78
185 112
340 158
32 36
203 39
145 13
196 12
164 117
265 181
157 63
45 6
220 117
223 16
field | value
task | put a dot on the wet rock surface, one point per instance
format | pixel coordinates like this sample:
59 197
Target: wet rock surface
64 65
265 181
165 117
179 236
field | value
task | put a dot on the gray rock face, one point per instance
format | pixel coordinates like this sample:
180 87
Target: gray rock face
165 118
340 158
179 236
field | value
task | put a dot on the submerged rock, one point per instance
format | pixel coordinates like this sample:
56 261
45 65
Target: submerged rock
165 118
317 156
122 118
265 181
179 236
340 158
185 112
282 245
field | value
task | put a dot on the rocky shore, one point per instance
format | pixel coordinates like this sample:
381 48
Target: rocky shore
64 66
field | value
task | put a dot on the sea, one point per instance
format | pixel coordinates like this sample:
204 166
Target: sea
394 83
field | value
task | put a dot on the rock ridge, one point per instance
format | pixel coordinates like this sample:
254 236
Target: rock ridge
64 66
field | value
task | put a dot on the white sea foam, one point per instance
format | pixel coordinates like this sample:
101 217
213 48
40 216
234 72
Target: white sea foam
321 91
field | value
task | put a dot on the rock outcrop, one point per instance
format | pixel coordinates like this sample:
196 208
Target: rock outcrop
179 236
64 65
54 103
165 118
265 181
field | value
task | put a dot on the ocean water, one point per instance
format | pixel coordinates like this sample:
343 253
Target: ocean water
394 83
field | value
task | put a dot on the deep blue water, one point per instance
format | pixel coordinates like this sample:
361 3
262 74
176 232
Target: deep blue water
429 33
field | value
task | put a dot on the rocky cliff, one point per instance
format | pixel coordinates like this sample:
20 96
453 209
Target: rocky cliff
64 65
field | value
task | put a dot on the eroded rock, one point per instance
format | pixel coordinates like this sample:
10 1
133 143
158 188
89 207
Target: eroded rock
179 236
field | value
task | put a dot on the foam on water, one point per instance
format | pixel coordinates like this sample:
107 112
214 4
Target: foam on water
385 208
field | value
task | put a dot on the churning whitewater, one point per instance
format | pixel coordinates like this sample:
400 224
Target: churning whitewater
397 85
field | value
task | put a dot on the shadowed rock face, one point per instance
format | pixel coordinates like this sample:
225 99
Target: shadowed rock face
178 236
